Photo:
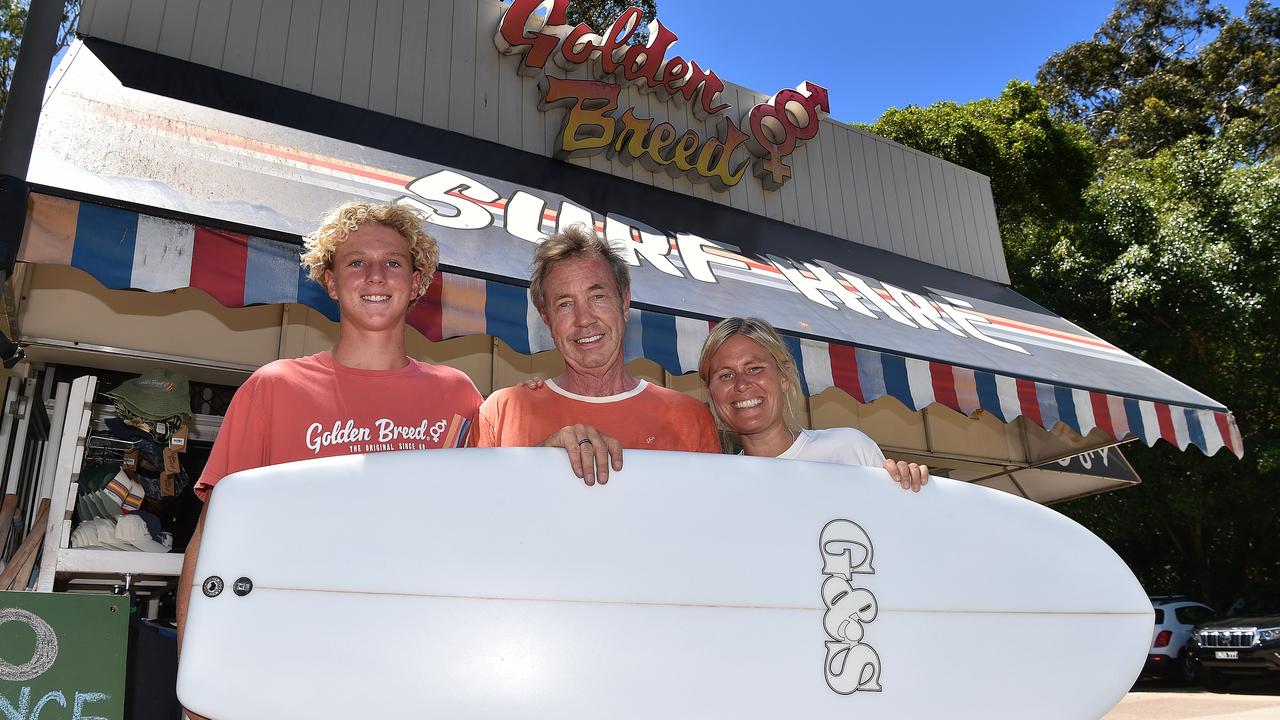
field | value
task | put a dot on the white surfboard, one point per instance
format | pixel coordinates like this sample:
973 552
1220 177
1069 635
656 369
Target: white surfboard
493 584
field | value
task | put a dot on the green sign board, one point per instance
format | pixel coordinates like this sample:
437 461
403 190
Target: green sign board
62 656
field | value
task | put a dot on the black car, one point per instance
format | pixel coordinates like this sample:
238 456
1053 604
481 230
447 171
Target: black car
1244 643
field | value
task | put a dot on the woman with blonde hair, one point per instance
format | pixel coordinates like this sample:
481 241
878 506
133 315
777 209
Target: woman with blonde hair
755 390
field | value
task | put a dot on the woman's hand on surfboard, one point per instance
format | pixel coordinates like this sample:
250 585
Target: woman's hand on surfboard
911 476
591 452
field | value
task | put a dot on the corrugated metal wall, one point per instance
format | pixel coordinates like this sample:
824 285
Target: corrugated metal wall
434 62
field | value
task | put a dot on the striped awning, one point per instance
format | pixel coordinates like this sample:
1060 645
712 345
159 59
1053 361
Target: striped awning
126 249
187 176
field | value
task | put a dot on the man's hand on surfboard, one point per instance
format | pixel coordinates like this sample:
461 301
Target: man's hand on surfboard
911 476
591 452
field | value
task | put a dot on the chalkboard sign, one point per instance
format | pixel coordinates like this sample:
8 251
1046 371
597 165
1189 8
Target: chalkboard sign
62 656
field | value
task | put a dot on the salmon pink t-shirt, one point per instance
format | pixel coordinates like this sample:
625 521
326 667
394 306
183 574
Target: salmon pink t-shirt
312 407
647 417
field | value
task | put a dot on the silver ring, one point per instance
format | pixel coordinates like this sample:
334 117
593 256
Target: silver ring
584 441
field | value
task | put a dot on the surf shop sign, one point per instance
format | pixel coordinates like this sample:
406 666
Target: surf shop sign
770 131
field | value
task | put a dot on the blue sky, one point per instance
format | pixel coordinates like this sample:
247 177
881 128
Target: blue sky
875 55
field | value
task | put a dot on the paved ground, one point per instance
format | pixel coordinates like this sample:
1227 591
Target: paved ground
1159 701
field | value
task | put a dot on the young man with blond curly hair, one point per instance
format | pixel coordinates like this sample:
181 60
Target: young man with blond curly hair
363 395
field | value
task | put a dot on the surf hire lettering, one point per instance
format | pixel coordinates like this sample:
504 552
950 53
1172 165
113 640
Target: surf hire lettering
769 131
452 200
851 663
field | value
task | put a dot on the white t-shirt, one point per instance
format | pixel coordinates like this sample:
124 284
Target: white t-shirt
836 445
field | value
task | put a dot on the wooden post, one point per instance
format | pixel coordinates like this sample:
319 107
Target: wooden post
17 574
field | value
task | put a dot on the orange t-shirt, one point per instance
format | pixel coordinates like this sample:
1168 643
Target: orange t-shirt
312 407
647 417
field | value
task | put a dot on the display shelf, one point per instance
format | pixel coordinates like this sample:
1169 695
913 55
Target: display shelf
118 562
204 428
82 566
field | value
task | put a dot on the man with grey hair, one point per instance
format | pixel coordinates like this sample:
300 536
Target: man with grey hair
582 290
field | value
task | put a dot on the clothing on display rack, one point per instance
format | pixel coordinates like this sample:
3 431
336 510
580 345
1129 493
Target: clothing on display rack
132 474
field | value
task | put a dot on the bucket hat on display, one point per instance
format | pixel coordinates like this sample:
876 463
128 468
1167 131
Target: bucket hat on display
156 395
106 530
132 530
84 536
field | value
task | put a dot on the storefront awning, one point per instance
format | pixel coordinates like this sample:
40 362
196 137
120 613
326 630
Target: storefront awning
153 174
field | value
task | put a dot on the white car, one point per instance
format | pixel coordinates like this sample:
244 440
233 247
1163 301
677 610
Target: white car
1176 616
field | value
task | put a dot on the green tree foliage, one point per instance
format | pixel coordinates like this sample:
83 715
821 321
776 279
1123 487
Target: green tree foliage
600 14
1158 71
1185 244
13 18
1010 139
1141 198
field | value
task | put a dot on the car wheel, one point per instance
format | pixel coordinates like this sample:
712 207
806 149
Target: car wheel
1187 670
1214 681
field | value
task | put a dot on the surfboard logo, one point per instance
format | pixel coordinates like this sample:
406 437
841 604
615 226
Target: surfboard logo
212 586
851 664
